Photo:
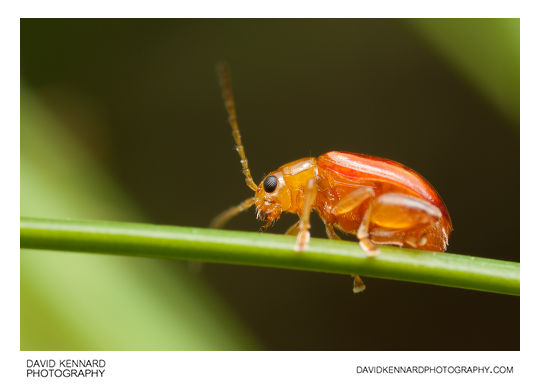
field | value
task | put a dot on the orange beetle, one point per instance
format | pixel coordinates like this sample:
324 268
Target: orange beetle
378 200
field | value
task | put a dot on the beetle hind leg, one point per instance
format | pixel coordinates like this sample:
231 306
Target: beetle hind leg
405 217
404 220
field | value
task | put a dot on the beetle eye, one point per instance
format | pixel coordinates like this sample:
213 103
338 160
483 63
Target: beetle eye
270 184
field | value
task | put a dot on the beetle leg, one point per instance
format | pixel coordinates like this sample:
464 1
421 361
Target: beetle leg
406 221
363 233
358 284
400 238
330 232
413 242
310 192
293 229
402 212
353 200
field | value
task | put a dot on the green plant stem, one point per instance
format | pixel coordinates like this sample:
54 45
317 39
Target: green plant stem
267 250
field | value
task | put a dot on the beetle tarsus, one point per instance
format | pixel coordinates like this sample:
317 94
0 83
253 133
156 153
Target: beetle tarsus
358 284
369 248
302 241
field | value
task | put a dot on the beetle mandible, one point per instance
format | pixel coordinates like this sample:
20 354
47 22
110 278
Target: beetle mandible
378 200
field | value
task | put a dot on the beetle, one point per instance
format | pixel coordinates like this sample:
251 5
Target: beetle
378 200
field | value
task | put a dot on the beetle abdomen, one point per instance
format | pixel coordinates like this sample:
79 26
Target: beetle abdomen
344 172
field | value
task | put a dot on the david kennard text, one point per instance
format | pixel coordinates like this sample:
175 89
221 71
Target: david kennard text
65 368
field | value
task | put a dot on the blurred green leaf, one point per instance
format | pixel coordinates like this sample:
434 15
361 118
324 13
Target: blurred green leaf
485 51
92 302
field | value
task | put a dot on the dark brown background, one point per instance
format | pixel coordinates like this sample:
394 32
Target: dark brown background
302 88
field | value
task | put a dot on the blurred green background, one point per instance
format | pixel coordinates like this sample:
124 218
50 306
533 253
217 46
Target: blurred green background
123 120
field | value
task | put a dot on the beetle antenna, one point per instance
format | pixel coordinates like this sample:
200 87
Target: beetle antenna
222 219
225 82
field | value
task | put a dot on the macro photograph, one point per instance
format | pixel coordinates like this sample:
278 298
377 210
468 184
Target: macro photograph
270 184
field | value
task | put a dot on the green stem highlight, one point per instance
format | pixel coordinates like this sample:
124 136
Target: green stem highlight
268 250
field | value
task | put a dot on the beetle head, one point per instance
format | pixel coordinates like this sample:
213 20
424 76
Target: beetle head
271 198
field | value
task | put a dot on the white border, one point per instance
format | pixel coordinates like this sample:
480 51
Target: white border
288 367
274 9
271 366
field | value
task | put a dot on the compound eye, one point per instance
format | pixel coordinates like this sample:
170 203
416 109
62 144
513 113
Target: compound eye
270 184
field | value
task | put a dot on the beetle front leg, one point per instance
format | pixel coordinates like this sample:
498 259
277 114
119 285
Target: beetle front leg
310 193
